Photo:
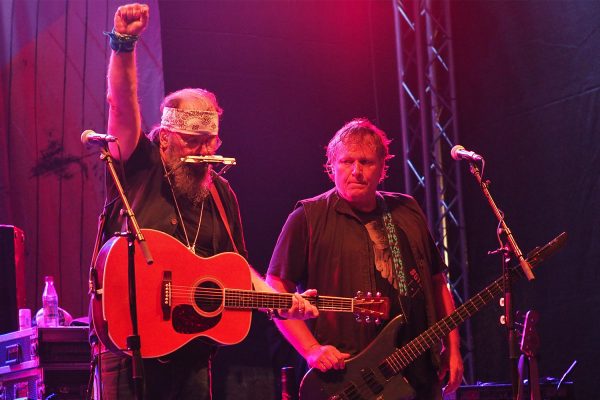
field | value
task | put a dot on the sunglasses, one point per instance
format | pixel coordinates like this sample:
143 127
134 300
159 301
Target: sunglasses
212 143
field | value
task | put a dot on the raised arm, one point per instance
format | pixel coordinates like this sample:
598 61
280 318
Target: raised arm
124 119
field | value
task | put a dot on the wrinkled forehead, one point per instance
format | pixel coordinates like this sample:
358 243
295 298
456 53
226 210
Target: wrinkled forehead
362 145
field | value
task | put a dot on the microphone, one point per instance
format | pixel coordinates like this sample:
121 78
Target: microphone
214 159
458 152
91 137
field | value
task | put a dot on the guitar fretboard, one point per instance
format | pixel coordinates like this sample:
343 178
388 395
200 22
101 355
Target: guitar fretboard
402 357
413 349
235 298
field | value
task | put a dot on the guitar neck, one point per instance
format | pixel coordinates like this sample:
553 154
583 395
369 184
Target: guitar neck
251 299
417 346
443 327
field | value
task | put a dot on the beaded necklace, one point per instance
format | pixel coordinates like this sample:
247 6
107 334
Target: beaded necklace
191 247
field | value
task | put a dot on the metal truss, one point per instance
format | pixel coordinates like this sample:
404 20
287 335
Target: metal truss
429 130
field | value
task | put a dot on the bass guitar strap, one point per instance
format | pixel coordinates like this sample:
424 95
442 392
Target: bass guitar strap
398 265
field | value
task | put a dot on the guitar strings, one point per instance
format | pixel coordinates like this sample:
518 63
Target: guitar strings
192 289
233 296
398 360
217 292
220 293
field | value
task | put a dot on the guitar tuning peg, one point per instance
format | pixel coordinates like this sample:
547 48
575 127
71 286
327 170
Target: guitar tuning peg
369 294
358 318
378 294
359 294
368 319
377 321
502 320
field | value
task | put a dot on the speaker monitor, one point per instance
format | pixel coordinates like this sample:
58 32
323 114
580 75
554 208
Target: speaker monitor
12 277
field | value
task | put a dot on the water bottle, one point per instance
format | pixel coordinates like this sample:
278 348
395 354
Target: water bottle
50 303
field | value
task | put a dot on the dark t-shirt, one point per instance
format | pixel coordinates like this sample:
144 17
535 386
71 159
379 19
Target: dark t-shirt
152 202
328 247
151 199
185 372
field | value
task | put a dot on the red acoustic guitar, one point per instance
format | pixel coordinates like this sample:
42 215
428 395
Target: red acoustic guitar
182 297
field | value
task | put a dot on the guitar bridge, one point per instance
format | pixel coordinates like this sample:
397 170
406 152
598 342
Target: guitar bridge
166 295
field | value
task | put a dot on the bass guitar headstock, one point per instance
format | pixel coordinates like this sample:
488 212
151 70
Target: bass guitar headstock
371 308
530 340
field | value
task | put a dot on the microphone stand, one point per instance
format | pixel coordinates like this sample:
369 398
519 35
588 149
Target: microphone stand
505 250
509 236
133 234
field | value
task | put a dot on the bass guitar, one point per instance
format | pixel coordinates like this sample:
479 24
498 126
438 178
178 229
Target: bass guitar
376 372
528 365
183 296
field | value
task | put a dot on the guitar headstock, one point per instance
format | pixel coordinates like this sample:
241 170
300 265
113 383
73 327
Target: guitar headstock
371 308
530 341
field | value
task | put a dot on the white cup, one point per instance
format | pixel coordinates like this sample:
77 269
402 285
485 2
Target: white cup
24 318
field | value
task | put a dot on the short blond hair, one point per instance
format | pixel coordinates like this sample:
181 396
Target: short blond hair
356 131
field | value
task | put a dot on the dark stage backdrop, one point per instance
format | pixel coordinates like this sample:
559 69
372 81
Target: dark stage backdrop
528 88
53 59
288 74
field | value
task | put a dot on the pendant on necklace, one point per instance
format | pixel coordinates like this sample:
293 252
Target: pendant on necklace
192 249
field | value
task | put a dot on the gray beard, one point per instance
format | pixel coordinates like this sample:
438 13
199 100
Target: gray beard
189 180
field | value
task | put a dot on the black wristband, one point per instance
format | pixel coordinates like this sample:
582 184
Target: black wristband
121 43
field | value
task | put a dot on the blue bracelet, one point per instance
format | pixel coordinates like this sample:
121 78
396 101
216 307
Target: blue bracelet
121 43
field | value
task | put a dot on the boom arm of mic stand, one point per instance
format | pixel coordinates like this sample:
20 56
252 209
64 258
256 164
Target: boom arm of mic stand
509 236
137 232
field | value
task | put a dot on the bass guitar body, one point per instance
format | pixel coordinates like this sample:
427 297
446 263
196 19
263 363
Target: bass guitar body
362 379
376 372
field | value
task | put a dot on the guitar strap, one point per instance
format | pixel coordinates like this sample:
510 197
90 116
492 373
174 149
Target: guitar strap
219 203
398 265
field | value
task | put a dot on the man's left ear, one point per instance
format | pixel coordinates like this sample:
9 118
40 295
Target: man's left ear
383 173
329 171
163 140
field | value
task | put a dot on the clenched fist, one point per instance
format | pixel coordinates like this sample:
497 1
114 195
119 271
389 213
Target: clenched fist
131 19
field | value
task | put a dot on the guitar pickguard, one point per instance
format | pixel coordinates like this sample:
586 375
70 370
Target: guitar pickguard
205 313
187 320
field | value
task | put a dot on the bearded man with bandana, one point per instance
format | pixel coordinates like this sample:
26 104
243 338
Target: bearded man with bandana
173 197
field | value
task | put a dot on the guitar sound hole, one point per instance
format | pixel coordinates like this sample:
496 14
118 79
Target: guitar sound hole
208 296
